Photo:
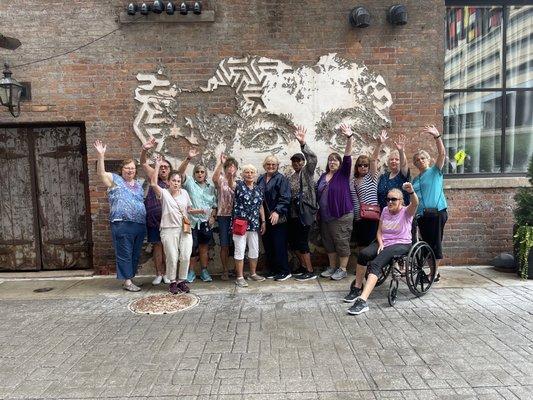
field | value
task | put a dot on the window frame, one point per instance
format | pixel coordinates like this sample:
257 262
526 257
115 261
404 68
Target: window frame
502 89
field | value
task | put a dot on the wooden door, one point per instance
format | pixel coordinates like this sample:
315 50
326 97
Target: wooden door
19 238
50 175
60 181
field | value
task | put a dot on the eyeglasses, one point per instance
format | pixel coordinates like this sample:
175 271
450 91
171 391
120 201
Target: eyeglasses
129 168
391 199
164 167
200 172
362 165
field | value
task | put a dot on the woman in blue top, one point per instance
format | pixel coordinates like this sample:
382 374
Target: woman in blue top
428 185
127 216
396 175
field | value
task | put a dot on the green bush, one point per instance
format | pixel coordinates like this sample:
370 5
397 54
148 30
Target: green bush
524 218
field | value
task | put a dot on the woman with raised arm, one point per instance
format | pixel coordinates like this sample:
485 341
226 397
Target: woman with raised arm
336 209
177 242
303 207
429 186
248 206
127 215
224 180
393 239
396 175
153 211
203 197
365 194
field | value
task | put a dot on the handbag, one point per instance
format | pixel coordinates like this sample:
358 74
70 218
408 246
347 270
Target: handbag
240 225
186 223
369 211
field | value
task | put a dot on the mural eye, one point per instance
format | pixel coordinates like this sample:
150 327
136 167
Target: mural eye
270 140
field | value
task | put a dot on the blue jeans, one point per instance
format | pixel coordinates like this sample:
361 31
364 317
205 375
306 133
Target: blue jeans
128 238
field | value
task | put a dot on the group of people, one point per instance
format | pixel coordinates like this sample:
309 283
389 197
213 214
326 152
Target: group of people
179 213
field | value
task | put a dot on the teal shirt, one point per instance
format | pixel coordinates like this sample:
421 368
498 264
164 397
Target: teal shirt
202 196
429 187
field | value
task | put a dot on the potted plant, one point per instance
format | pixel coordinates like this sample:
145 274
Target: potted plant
523 237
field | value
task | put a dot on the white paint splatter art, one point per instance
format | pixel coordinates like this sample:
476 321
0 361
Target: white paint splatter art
270 98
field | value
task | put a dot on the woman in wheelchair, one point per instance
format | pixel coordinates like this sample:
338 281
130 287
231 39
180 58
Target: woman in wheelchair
393 239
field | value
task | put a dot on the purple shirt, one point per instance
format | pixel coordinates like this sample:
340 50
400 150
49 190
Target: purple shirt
339 199
153 206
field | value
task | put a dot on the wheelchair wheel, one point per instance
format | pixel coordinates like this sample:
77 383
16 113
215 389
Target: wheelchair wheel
421 268
393 292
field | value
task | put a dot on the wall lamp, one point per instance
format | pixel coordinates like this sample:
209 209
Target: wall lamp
10 91
397 15
359 17
158 6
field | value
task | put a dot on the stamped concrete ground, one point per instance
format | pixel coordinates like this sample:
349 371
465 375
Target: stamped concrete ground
469 338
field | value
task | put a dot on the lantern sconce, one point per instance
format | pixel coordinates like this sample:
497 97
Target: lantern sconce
359 17
397 15
10 91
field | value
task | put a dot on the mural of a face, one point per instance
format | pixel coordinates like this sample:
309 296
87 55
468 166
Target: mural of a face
270 99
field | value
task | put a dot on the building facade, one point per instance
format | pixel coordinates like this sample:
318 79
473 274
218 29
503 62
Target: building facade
237 78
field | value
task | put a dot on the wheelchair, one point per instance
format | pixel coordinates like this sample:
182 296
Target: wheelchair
418 267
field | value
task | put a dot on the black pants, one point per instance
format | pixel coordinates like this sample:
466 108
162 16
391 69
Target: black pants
275 244
431 229
378 261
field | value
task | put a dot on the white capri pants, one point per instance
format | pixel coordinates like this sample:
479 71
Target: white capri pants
252 239
178 247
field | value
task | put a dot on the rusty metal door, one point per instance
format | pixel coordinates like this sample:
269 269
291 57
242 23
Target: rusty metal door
19 237
57 193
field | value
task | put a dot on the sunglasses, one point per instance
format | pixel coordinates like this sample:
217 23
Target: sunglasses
200 172
362 165
391 199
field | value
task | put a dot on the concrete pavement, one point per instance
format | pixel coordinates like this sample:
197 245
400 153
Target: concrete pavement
470 337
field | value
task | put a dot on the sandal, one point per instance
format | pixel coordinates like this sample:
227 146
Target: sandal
225 276
132 287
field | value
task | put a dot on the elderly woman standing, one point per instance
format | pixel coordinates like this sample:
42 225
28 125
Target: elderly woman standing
336 209
127 216
277 197
396 175
428 185
393 239
153 211
248 206
203 197
365 192
176 206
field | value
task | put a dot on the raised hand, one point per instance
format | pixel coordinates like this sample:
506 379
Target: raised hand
383 136
432 130
223 158
193 152
150 143
408 187
100 147
158 160
300 133
346 130
400 143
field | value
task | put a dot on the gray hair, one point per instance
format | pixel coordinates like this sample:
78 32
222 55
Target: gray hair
423 153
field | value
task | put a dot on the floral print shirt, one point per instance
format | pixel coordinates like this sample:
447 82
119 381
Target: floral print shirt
247 204
126 202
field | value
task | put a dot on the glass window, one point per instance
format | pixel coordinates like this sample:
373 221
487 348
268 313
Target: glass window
473 47
472 132
488 114
519 71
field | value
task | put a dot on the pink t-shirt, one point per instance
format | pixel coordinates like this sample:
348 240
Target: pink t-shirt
396 228
226 197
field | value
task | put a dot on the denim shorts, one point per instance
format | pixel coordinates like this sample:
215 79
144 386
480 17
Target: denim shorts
153 235
224 230
201 235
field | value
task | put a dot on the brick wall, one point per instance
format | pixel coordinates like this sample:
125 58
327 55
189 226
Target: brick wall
95 84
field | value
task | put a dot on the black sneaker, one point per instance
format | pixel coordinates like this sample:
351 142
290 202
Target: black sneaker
299 272
306 276
354 294
269 275
437 278
282 277
360 306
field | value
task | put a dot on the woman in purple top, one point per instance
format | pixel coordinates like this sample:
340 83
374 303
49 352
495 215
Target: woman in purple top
393 239
336 209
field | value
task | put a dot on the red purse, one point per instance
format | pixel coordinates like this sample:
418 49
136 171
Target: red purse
369 211
240 225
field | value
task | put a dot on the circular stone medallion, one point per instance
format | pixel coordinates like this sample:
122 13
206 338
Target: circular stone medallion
163 303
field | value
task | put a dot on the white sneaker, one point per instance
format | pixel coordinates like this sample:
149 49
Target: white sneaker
157 280
166 280
328 272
